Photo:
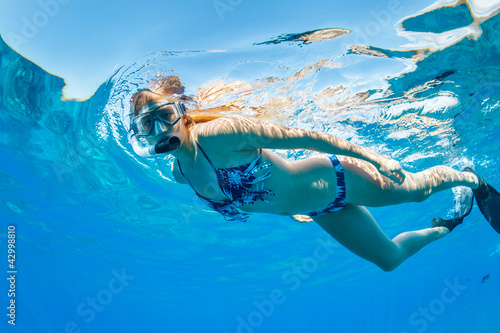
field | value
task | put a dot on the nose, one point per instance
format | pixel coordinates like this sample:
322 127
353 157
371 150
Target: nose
159 127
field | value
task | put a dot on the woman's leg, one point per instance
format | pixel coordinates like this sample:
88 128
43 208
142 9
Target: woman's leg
365 186
356 229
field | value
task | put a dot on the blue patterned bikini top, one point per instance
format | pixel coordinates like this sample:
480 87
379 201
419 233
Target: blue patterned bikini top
239 184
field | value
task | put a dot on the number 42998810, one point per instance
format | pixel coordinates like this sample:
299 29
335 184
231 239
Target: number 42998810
12 247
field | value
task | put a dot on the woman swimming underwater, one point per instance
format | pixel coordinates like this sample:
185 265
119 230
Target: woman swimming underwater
229 163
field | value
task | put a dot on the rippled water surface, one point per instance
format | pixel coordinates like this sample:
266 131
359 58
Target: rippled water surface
108 242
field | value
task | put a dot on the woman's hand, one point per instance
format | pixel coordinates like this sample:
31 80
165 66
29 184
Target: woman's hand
391 169
301 218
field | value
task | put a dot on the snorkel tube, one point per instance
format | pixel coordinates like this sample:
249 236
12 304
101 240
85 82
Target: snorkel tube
166 145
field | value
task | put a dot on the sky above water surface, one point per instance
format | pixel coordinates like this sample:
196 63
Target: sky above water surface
85 41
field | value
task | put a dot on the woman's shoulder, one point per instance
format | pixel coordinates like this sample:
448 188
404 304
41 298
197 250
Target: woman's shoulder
220 127
218 136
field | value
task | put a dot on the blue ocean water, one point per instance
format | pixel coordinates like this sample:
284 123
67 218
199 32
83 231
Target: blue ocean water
108 242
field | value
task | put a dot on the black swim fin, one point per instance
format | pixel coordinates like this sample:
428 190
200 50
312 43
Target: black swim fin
488 201
463 206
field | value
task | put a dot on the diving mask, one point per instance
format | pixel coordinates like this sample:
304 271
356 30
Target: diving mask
149 122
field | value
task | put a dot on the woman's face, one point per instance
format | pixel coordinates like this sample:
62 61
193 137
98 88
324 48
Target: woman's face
161 128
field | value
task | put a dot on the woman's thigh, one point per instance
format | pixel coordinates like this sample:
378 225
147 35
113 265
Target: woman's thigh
356 229
365 186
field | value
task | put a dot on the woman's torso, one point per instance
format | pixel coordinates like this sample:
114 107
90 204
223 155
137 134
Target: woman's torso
299 186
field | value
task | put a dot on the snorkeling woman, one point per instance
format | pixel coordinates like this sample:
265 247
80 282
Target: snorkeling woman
228 162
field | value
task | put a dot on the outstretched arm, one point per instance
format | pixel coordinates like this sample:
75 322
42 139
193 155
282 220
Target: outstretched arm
241 133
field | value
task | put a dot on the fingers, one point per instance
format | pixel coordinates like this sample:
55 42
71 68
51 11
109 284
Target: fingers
301 218
401 175
398 180
394 172
304 219
397 176
394 178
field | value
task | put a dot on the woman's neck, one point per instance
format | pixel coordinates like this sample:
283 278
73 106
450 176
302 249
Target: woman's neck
188 150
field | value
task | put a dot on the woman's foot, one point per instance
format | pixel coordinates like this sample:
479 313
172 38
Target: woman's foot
488 201
463 206
448 224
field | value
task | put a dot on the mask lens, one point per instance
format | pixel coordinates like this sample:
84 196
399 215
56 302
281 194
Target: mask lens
168 114
143 124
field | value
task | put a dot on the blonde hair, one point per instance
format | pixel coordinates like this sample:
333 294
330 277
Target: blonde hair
193 117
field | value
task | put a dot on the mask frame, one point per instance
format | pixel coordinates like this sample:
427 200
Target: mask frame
137 123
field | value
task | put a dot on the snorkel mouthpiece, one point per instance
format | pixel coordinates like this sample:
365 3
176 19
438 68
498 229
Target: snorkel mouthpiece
168 144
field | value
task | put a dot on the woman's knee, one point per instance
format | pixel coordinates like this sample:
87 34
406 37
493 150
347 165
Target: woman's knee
389 267
390 263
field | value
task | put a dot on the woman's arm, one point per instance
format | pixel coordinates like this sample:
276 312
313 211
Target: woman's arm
241 133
